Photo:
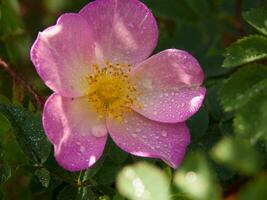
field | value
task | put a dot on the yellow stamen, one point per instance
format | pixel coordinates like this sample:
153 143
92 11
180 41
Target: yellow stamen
111 91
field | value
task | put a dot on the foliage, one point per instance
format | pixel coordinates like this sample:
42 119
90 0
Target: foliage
227 154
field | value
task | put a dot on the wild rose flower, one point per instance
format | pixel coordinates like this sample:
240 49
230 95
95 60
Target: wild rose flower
96 64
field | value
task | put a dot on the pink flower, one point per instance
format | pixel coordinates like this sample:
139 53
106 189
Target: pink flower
97 64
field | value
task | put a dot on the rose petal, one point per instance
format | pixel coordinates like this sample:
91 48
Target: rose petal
70 124
63 55
124 31
143 137
169 83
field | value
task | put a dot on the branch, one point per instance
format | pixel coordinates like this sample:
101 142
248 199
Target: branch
27 87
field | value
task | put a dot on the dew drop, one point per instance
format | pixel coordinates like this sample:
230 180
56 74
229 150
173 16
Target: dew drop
138 130
134 135
82 149
99 131
164 133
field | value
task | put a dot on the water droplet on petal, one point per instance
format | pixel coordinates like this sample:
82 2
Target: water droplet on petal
164 133
82 148
99 131
138 130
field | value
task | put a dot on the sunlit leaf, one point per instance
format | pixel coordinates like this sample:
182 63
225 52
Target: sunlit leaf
30 135
257 18
243 85
196 179
238 155
245 50
250 121
143 182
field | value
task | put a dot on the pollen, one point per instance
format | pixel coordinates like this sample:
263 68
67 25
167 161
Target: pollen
110 90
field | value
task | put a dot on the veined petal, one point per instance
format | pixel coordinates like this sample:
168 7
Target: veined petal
72 126
63 55
124 31
143 137
170 86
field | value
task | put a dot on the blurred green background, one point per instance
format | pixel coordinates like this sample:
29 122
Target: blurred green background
227 156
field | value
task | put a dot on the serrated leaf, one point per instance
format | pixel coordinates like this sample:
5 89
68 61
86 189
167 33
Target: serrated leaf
5 173
238 155
143 182
243 85
28 131
196 179
43 176
245 50
257 18
251 124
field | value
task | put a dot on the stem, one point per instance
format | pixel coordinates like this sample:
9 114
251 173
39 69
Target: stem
37 98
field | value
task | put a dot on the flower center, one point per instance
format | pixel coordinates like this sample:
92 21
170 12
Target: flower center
111 91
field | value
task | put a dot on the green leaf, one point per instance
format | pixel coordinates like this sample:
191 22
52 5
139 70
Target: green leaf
117 196
213 103
116 154
28 131
69 192
107 174
196 179
251 124
4 100
256 189
5 173
75 193
105 197
199 123
4 124
200 7
143 182
85 193
43 176
243 85
245 50
257 18
238 155
10 22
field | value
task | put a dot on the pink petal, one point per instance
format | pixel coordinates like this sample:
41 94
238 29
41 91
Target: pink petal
63 54
169 83
143 137
124 31
70 124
